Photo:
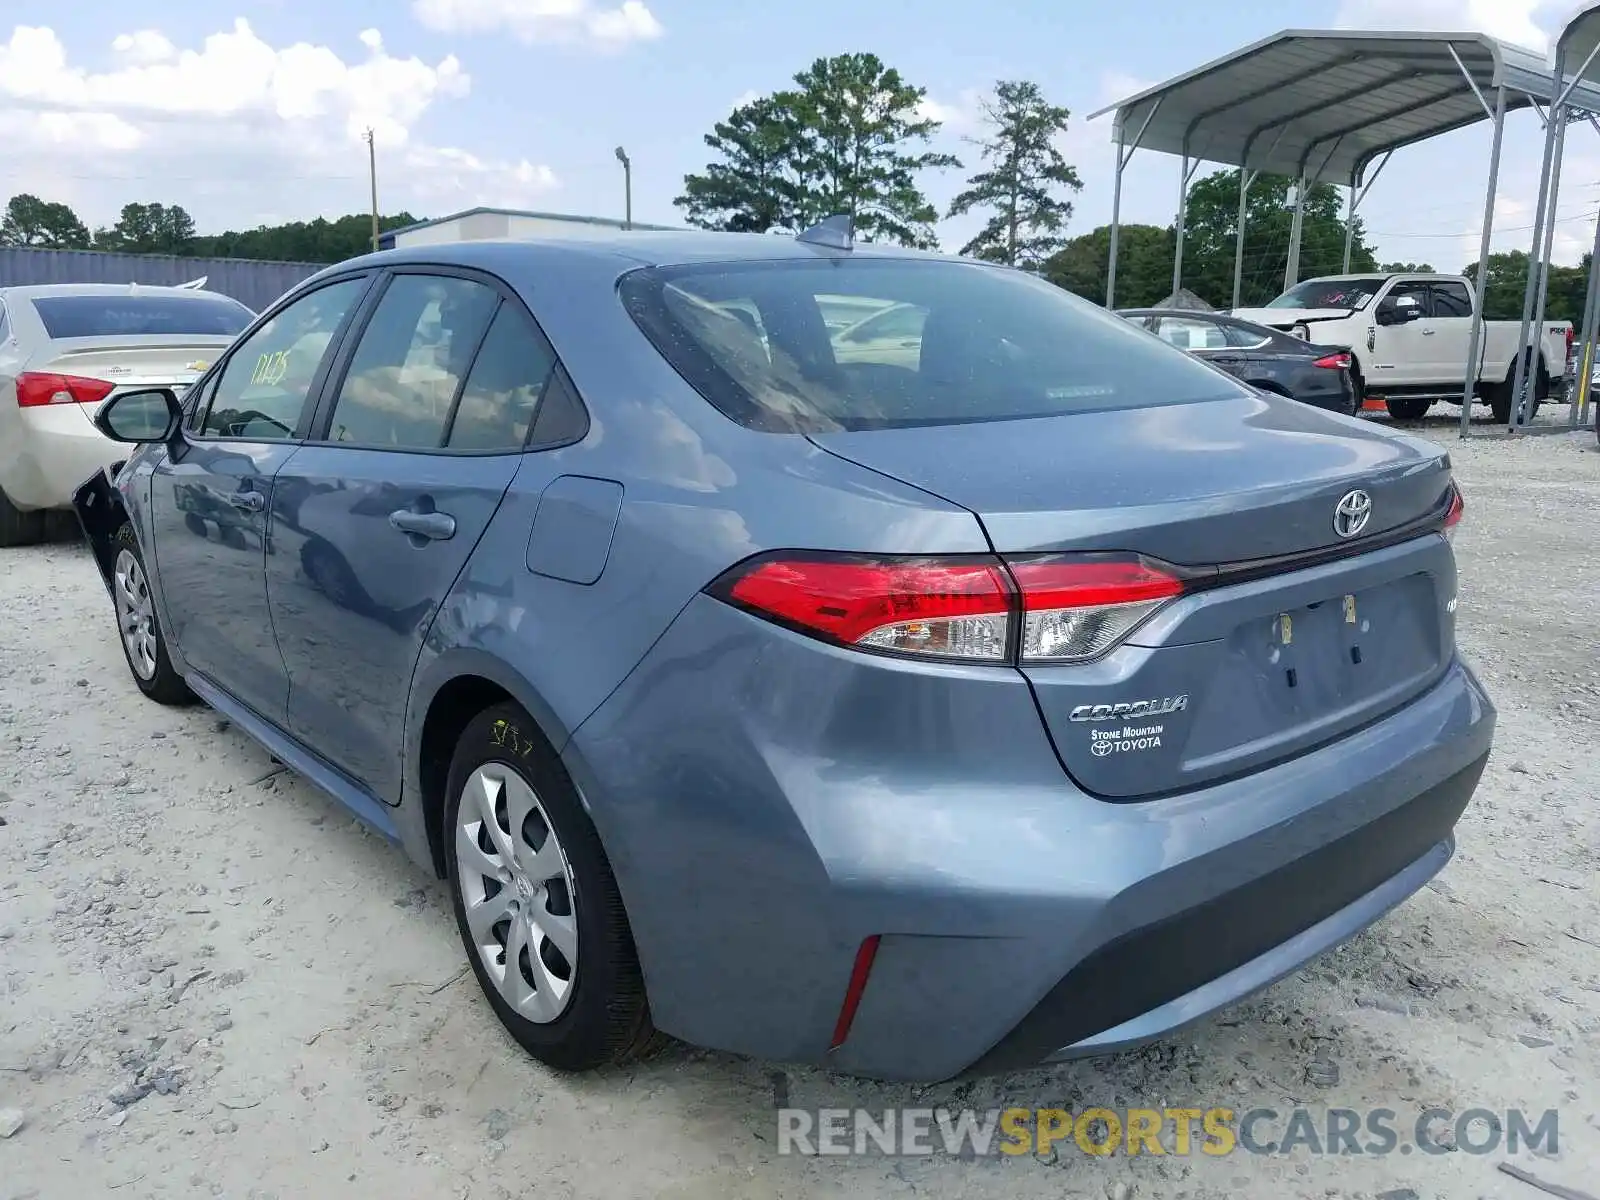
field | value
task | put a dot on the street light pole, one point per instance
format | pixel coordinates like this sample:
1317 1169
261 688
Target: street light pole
372 176
627 187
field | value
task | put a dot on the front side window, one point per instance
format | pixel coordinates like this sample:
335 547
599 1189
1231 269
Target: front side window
976 343
409 364
267 379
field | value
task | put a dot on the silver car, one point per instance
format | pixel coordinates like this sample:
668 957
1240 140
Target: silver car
66 348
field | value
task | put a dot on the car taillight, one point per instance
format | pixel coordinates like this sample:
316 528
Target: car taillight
1453 514
35 388
942 608
1050 608
1334 362
1078 607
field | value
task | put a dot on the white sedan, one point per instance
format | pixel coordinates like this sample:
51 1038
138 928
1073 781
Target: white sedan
65 348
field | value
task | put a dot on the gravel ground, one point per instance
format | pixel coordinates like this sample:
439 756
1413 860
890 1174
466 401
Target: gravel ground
217 984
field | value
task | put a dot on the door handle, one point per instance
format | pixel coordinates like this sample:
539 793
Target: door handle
1429 332
435 526
249 501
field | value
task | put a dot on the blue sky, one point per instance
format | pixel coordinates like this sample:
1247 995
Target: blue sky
520 102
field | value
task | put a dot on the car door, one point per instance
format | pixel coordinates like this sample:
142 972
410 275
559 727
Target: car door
1448 330
209 494
1402 352
418 435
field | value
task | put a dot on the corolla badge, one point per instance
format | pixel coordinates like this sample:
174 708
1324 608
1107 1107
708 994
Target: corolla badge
1351 514
1126 710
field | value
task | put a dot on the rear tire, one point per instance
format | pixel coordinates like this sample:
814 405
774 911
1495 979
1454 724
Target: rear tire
19 528
1500 394
526 871
144 645
1408 408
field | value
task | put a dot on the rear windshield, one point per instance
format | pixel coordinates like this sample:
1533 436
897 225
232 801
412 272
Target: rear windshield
134 316
846 344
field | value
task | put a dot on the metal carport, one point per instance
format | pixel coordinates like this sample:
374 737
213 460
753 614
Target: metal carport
1577 56
1330 106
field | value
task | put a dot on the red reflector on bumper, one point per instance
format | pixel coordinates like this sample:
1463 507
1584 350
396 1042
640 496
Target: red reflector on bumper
852 994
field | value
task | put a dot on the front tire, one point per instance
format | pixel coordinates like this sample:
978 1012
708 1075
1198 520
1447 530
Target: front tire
536 902
138 628
1407 408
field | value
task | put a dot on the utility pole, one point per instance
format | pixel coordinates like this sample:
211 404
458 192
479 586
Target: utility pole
372 176
627 187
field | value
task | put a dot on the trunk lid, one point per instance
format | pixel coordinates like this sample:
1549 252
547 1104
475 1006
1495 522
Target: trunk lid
1302 635
131 363
1287 318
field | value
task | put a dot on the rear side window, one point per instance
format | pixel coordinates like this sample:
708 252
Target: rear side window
1189 333
134 315
503 388
1243 337
406 370
878 343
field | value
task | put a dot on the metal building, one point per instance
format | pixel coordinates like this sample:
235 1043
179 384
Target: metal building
476 224
253 283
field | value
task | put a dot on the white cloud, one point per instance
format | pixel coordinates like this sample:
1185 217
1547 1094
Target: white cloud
1508 20
543 20
237 128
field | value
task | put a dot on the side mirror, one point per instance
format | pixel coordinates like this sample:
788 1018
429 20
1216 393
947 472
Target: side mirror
151 415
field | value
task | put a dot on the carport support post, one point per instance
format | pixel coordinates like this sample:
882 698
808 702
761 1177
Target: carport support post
1349 227
1543 210
1183 211
1475 343
1591 319
1123 159
1291 269
1116 221
1246 178
1546 247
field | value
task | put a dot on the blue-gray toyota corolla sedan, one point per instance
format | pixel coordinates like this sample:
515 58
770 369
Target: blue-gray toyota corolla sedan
826 653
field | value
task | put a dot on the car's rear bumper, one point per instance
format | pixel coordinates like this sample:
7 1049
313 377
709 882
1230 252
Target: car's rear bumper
769 802
58 449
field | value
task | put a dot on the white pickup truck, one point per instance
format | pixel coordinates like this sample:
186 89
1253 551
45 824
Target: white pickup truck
1409 336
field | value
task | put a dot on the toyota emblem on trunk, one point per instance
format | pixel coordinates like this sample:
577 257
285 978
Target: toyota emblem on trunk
1351 514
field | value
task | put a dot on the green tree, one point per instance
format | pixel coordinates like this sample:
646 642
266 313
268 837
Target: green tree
860 133
49 224
757 186
1213 221
847 138
1406 268
1507 284
1024 174
1144 265
318 241
148 229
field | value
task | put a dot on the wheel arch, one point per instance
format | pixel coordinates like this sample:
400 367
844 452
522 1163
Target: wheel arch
449 692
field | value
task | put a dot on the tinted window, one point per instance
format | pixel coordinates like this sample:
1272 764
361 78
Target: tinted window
1188 333
1407 295
503 388
136 316
993 345
264 384
1329 293
1451 300
1246 337
405 373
